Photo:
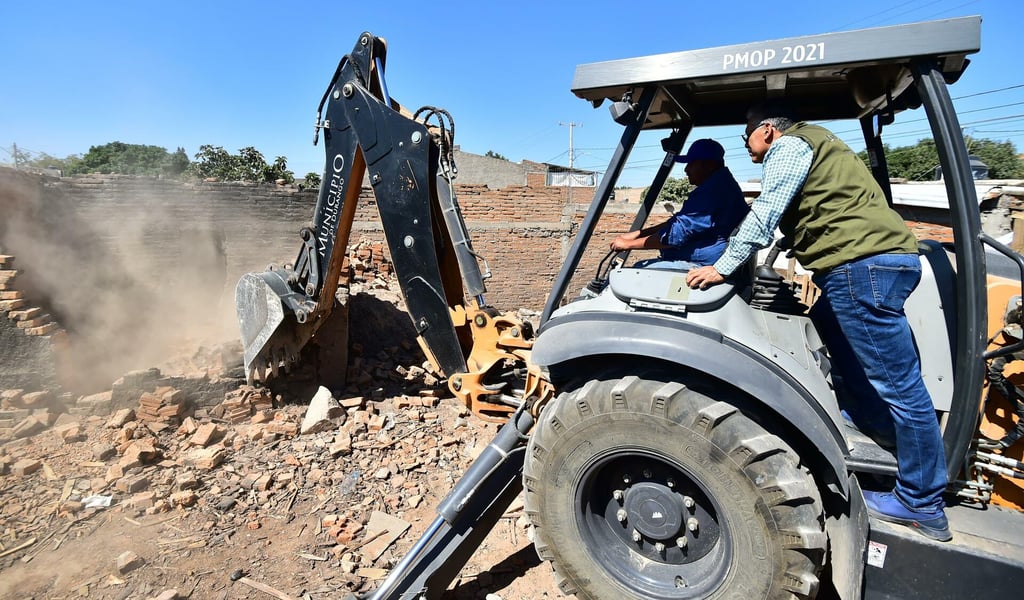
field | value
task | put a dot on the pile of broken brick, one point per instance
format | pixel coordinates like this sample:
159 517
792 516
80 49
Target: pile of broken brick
358 462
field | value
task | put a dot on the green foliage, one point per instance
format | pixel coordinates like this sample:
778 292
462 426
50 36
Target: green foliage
251 164
493 154
214 162
918 162
312 180
128 159
43 160
178 163
278 171
1001 158
675 190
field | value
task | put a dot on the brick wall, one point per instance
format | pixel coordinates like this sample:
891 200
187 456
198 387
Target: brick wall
175 236
133 267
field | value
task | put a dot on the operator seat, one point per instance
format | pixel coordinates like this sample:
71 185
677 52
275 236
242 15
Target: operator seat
666 289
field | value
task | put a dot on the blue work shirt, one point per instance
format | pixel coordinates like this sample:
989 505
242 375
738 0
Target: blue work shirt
699 231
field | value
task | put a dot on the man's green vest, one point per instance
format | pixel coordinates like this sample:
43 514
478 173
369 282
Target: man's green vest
841 213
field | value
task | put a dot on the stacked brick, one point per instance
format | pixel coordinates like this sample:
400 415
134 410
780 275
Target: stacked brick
365 261
245 403
163 407
33 319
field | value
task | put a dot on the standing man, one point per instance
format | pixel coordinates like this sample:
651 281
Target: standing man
865 261
698 232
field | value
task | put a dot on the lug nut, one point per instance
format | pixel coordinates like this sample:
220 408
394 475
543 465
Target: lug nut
688 502
626 479
647 473
621 515
670 483
691 524
681 541
618 495
659 547
636 536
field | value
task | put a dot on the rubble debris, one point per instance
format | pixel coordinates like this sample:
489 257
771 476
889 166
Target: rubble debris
384 530
266 589
240 473
322 411
165 405
26 466
128 561
206 458
18 548
241 404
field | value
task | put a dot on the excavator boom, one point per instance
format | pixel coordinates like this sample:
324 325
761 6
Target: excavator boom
364 131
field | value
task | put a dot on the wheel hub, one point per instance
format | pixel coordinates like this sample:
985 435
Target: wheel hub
654 510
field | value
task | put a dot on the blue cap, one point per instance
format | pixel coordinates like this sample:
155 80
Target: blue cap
705 149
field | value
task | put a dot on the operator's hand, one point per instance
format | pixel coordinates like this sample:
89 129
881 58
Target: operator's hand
704 277
622 242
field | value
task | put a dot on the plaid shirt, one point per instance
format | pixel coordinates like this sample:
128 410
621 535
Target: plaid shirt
786 165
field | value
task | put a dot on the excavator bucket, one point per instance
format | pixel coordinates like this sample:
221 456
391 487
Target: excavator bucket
272 335
260 314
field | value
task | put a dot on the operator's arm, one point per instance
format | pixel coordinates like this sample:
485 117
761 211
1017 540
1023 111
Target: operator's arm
786 166
695 216
649 237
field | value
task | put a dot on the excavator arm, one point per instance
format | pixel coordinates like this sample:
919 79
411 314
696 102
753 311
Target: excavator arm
483 353
409 167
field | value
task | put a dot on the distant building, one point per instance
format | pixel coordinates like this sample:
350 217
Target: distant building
497 173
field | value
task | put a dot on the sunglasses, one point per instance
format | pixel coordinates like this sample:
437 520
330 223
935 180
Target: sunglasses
746 136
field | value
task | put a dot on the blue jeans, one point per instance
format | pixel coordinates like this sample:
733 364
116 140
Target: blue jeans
876 368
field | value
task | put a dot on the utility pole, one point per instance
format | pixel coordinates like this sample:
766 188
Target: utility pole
570 125
14 155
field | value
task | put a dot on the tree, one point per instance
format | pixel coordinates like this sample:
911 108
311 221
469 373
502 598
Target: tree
1001 158
675 191
251 164
918 162
128 159
213 162
493 154
177 163
312 180
43 160
278 171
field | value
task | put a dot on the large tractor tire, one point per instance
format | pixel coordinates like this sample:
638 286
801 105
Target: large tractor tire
650 490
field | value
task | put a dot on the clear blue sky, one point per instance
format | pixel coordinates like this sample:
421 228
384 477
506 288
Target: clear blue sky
236 74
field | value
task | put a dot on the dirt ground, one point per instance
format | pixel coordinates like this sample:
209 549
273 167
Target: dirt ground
207 504
282 543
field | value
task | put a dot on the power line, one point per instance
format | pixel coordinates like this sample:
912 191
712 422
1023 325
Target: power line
875 16
1003 89
948 10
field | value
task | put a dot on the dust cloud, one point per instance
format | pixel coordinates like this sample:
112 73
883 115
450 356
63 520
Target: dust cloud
132 287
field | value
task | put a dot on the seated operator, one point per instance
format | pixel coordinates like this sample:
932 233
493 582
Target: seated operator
698 232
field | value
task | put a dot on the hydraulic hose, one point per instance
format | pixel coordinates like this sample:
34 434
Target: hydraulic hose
1009 391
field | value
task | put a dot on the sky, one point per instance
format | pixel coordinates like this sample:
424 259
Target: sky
238 74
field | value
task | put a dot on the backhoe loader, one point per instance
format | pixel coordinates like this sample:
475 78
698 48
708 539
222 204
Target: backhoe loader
678 443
